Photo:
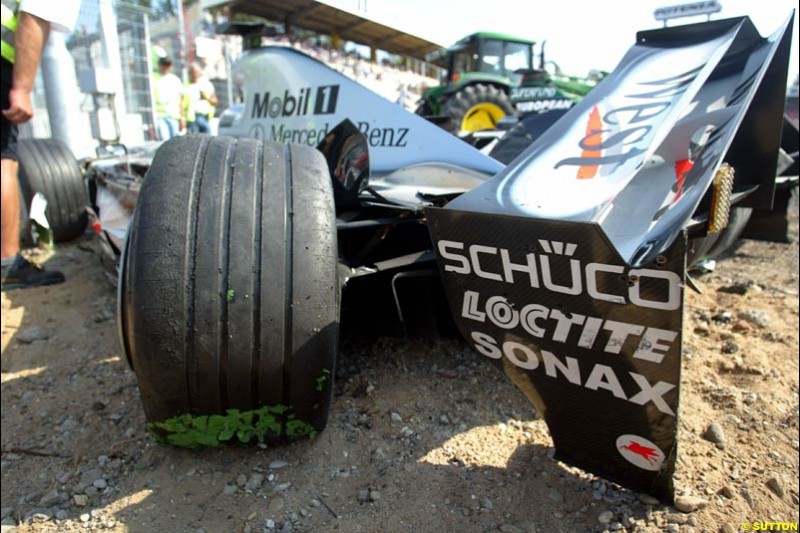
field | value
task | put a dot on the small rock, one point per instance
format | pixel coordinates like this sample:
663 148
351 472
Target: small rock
729 347
92 491
314 503
374 495
726 491
62 514
254 482
100 483
648 500
229 489
775 484
673 528
81 500
275 506
28 397
748 498
395 417
714 433
85 517
282 487
33 334
104 316
605 517
278 464
88 477
304 513
508 528
555 496
758 318
740 288
363 495
689 504
676 519
241 480
269 523
51 498
741 325
406 432
487 504
726 317
6 512
727 528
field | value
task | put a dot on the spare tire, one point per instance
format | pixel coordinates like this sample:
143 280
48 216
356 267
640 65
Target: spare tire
229 289
47 166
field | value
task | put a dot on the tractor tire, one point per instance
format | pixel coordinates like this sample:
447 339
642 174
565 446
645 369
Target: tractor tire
423 109
229 294
47 166
477 107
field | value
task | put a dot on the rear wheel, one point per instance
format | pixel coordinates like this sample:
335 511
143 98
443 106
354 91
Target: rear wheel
48 167
229 296
713 245
477 107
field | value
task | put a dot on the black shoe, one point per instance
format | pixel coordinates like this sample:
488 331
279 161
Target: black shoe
23 274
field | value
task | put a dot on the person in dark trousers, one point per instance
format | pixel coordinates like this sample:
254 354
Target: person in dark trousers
25 27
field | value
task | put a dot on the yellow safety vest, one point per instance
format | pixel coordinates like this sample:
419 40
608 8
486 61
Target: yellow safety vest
8 25
167 105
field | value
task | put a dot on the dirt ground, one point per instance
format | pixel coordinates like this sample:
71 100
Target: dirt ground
423 436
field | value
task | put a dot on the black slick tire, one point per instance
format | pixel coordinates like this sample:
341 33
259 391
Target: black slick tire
47 166
229 295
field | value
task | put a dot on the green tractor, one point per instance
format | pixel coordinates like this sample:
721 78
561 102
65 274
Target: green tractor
490 76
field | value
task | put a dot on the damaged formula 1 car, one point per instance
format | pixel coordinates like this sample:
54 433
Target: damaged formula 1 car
566 268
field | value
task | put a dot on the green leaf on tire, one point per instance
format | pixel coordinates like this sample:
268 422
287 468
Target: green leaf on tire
320 382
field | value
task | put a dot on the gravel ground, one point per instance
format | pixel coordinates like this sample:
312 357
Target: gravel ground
424 435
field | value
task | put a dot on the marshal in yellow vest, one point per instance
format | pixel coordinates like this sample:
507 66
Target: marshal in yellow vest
8 26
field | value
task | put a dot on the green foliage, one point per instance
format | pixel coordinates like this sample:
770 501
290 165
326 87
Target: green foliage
297 428
189 431
320 382
230 295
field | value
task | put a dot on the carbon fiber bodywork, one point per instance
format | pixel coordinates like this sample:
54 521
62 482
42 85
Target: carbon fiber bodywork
567 268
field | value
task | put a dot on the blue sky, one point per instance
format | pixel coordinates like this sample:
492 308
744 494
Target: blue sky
580 34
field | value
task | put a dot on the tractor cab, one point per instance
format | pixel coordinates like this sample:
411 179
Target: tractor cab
480 71
487 53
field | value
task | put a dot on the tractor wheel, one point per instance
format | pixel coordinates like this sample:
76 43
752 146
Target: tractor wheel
47 166
229 290
477 107
423 109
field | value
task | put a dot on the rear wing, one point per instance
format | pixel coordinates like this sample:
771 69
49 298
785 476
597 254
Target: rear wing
639 153
567 269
